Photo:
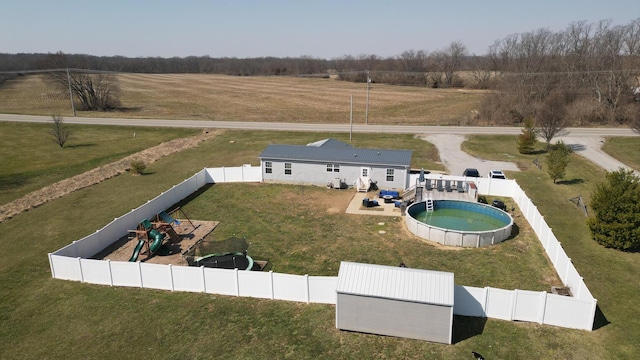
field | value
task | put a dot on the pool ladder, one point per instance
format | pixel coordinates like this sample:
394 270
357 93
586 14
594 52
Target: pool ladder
429 204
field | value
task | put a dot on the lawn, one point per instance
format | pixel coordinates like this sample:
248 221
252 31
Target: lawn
31 159
269 98
45 318
625 149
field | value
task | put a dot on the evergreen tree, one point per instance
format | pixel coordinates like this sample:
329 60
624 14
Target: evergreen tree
615 204
557 160
527 139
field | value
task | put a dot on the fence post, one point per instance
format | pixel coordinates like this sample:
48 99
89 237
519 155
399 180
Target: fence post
566 271
80 268
543 306
514 301
306 278
204 280
546 247
580 284
171 276
53 269
485 297
555 257
237 282
140 273
271 281
110 273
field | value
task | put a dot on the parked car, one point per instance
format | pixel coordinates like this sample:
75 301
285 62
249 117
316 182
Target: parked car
471 172
496 174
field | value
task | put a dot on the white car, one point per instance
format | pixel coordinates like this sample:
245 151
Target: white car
496 174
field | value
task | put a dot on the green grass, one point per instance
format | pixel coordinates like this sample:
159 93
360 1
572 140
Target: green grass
625 149
31 159
45 318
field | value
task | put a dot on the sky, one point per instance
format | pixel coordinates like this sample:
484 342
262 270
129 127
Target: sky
284 28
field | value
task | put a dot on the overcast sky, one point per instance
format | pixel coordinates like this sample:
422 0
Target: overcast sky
281 28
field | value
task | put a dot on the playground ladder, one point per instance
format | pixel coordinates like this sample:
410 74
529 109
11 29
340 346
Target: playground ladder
429 204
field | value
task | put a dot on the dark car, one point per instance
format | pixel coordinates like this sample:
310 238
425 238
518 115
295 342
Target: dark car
471 172
499 204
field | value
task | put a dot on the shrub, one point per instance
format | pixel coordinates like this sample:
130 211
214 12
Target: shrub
137 167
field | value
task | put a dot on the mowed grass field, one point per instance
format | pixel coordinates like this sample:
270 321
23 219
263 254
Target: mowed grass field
31 159
45 318
273 99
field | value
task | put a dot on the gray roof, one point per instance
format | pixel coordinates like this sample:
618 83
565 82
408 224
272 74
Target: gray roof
334 151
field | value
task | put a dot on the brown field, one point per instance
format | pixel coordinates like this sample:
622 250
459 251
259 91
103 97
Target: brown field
273 99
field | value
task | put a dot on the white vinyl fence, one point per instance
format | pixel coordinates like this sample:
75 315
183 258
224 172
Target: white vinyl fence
72 263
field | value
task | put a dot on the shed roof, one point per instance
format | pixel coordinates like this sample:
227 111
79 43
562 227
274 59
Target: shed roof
330 150
399 283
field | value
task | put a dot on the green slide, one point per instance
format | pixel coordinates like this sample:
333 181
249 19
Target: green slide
136 251
157 237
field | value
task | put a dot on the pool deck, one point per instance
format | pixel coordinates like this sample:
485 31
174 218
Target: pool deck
389 209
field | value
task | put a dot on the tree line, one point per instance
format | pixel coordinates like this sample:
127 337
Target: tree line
585 74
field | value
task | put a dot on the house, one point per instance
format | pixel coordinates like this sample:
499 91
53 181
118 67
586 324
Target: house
331 161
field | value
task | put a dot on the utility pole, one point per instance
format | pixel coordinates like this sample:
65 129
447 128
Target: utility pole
351 119
73 107
366 114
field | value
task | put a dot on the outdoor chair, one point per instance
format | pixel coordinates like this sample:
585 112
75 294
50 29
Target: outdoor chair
447 185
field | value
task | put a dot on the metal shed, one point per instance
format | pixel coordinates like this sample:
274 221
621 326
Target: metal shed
395 301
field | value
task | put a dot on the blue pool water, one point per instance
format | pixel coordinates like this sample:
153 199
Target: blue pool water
461 216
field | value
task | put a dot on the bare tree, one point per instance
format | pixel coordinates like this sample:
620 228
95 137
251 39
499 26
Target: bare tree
551 120
412 61
61 134
96 91
448 61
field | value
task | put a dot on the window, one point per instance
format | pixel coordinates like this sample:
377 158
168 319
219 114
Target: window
336 167
268 167
365 172
329 167
389 174
287 168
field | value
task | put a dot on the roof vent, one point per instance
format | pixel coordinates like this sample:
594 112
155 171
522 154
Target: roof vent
378 152
355 155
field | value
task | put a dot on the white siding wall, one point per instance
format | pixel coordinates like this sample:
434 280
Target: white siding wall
317 174
394 318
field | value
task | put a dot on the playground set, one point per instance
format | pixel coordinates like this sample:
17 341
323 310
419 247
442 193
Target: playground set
167 240
151 235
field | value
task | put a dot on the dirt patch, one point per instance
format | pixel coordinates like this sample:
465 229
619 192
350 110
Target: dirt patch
189 234
97 175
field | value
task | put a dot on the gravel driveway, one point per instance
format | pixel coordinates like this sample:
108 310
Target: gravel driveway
456 160
591 149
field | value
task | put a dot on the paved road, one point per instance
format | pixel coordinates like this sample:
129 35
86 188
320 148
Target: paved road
357 128
585 141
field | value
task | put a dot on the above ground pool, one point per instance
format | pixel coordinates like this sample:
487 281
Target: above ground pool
459 223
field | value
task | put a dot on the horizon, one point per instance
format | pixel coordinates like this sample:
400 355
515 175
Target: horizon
285 29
